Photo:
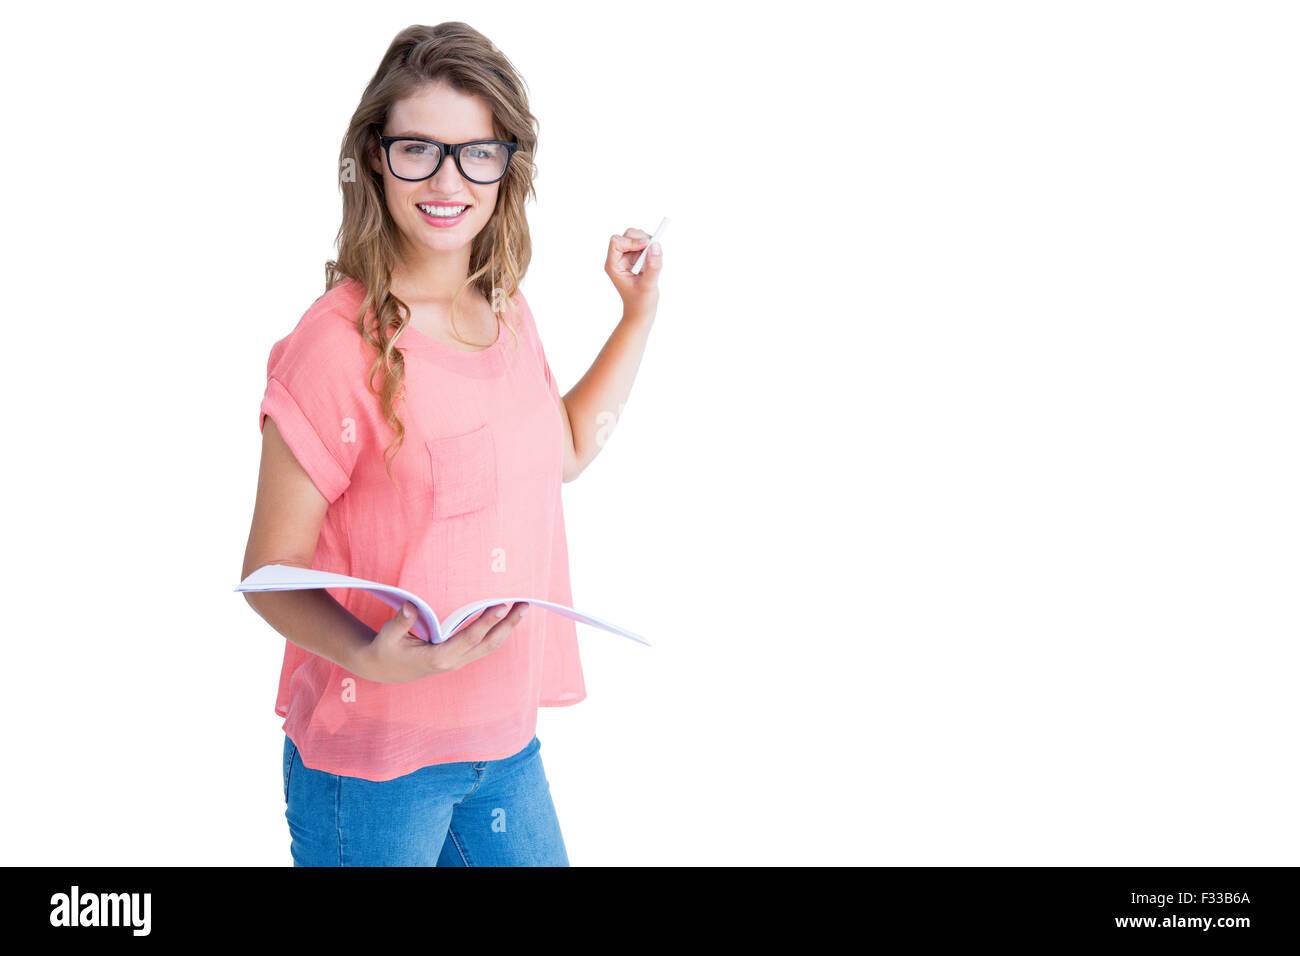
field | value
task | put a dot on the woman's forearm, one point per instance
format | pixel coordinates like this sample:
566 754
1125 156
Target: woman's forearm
315 621
595 403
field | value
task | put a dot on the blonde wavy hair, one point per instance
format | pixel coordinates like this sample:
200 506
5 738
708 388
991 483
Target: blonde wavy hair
368 239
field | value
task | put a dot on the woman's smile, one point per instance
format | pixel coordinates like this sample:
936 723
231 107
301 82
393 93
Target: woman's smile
443 216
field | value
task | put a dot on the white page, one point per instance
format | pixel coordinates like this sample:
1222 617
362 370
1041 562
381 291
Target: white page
458 616
283 577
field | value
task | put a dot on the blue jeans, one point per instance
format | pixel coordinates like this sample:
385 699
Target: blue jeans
488 813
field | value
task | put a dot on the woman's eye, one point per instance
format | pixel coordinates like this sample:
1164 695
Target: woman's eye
415 149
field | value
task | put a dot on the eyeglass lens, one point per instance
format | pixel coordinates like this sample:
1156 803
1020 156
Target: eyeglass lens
482 162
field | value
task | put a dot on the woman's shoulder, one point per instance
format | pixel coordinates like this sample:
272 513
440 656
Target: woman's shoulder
521 315
340 302
326 333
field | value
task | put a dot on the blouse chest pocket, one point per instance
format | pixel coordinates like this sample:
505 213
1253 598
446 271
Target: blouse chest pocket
464 470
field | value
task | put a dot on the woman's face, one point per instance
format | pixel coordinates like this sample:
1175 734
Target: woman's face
440 113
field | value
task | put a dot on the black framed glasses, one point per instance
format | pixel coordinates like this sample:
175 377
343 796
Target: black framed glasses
483 161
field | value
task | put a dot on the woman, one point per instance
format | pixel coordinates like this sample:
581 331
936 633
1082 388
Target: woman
413 434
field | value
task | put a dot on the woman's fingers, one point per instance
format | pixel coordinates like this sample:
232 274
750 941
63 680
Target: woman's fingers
632 239
498 632
488 618
487 632
627 243
624 250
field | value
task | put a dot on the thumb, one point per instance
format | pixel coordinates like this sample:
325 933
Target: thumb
654 259
405 618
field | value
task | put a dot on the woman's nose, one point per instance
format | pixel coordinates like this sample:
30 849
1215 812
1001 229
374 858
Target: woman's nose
448 175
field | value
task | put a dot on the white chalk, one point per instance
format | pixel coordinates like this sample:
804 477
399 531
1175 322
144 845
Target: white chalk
636 269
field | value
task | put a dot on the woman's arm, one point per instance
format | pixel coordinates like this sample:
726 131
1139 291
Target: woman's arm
287 519
592 407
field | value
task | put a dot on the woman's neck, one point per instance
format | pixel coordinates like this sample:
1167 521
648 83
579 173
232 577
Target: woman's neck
432 278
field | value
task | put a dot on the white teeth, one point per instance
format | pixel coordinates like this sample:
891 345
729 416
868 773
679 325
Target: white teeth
442 212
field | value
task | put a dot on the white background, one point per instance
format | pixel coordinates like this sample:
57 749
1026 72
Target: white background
957 490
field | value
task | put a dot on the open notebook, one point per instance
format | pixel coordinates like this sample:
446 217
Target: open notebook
284 577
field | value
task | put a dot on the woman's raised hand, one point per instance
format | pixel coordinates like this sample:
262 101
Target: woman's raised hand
640 293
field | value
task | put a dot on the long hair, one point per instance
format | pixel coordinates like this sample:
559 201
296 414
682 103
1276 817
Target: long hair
369 241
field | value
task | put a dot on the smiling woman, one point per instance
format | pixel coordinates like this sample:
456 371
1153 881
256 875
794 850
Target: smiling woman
444 479
397 450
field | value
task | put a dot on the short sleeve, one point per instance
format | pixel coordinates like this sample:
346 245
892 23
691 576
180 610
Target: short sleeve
535 336
546 369
316 394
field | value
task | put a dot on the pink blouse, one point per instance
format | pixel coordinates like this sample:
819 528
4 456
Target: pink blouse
476 514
